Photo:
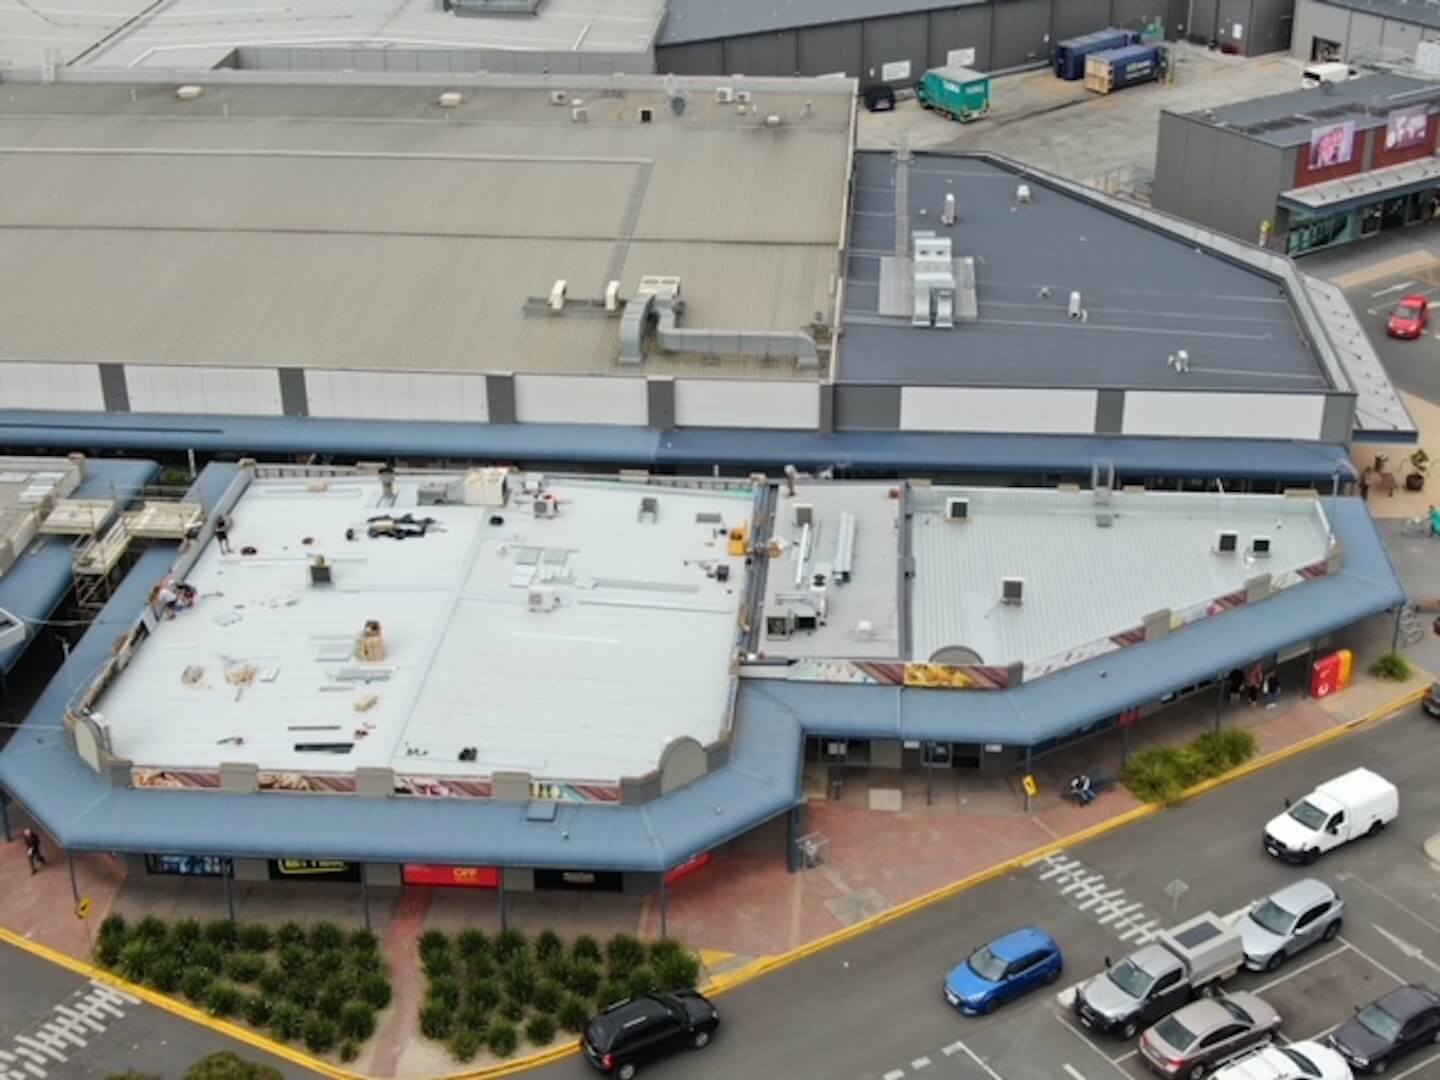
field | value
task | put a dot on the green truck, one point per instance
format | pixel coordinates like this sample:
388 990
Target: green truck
959 93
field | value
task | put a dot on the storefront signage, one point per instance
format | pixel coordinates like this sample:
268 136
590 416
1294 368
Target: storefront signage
688 867
1332 144
464 877
1406 127
896 69
321 869
186 865
962 58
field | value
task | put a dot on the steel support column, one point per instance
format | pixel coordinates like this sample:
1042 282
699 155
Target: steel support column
226 869
365 893
501 892
664 908
74 884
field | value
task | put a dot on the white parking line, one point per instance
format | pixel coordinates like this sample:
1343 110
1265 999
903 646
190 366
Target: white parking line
1075 1073
1372 960
1140 931
920 1063
1081 883
1116 912
1416 1068
1095 1049
1385 896
1392 289
893 1074
978 1061
1101 898
1303 968
953 1048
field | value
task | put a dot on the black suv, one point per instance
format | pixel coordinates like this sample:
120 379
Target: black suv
640 1029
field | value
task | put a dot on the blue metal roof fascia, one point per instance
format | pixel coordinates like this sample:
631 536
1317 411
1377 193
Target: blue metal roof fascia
41 577
684 448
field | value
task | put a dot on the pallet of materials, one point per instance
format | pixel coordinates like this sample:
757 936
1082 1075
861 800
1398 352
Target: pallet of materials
1116 69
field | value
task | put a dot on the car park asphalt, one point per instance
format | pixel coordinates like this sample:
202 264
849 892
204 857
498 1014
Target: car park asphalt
1414 364
871 1009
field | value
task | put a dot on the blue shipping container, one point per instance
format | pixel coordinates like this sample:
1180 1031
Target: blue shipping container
1128 66
1070 54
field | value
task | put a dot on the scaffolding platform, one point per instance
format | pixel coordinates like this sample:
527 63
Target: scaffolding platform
163 520
77 517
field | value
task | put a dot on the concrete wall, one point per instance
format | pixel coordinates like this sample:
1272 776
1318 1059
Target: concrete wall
997 409
1240 415
51 386
1003 33
1217 178
440 60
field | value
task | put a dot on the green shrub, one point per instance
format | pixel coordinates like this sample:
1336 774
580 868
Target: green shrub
573 1014
107 949
328 962
165 974
221 933
224 999
1155 776
480 967
272 981
195 984
512 1009
557 968
1221 751
540 1030
1392 666
437 964
290 933
472 1017
293 958
663 947
150 929
465 1045
546 997
520 977
446 989
131 1074
547 945
624 953
586 950
206 955
256 1010
643 981
584 979
482 994
433 941
136 958
611 991
186 932
375 991
436 1021
367 963
331 999
325 936
1163 774
226 1066
363 941
357 1021
286 1020
472 942
501 1038
255 937
303 988
509 944
244 967
678 970
349 1051
114 926
319 1034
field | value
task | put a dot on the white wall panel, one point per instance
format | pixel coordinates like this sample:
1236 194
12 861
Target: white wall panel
397 395
1239 416
984 408
51 386
222 391
738 403
581 399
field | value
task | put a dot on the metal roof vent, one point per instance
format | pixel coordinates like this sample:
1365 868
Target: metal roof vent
1012 590
957 509
450 99
947 215
1227 542
189 93
1260 547
1022 194
579 114
559 97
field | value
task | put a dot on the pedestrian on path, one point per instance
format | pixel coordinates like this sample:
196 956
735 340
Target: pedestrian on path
222 534
32 849
1272 689
1365 485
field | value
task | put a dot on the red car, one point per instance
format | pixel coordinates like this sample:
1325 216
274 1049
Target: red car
1409 319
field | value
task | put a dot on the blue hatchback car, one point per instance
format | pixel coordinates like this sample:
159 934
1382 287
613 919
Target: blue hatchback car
1006 968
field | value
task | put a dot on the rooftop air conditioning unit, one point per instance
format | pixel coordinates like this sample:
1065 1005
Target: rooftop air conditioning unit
543 507
804 514
542 598
742 97
1260 546
725 95
780 625
646 115
1012 590
1227 542
450 99
579 114
1022 193
559 97
957 509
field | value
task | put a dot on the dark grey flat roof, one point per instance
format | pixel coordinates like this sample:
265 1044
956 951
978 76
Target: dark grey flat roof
1423 12
1287 119
702 20
1148 294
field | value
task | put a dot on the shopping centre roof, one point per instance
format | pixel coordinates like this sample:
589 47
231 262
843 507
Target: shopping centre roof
572 641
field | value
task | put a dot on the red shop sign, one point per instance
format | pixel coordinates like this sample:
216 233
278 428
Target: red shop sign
467 877
688 867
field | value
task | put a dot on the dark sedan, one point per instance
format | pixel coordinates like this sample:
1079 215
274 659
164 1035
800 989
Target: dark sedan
1392 1027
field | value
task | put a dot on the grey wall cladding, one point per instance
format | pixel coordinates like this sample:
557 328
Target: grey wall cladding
293 398
1077 17
768 54
824 50
1021 34
867 408
901 38
962 28
114 391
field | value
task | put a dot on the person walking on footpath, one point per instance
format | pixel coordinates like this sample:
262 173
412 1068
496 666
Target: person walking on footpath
222 534
32 850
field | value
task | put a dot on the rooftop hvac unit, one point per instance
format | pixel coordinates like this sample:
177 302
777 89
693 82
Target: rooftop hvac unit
450 99
1260 546
559 97
612 296
742 97
1012 590
773 120
1022 193
957 509
557 295
804 514
542 598
646 115
725 95
780 625
543 507
1227 542
579 114
189 93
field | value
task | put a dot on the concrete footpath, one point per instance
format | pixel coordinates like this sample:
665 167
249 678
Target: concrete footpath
892 839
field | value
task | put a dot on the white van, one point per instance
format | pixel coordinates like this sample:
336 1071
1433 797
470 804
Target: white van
1360 803
1330 72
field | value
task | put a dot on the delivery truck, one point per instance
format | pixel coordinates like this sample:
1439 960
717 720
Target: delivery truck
959 93
1070 54
1115 69
1156 979
1359 803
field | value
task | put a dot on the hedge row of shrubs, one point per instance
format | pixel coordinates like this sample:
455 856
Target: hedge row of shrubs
1162 774
320 986
486 991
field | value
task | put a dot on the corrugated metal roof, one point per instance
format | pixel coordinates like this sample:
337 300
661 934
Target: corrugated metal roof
1421 12
703 20
761 780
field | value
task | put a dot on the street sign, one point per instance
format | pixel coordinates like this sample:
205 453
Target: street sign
82 908
1175 890
1031 788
